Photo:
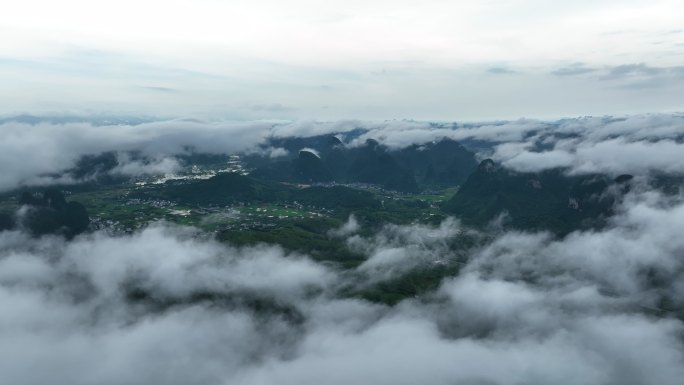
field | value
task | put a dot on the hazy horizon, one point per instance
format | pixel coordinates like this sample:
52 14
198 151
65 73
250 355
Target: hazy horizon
435 60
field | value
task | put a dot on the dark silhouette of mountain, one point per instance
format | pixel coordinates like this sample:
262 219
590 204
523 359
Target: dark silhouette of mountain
273 170
308 168
624 178
93 165
444 162
441 163
97 168
548 200
338 159
299 167
670 184
321 143
6 222
374 164
49 213
334 141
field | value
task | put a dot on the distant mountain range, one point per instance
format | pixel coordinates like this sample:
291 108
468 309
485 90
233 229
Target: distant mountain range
326 158
548 200
47 212
487 194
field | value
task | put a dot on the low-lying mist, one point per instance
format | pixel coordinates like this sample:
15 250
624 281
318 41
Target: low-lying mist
637 144
168 305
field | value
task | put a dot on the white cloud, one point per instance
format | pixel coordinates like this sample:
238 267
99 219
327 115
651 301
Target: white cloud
543 310
634 145
30 151
311 150
348 228
129 167
395 249
277 152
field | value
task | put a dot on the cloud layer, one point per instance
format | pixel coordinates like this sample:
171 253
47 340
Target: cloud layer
633 145
166 305
29 151
31 154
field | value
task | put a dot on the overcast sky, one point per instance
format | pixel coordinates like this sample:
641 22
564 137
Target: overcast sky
377 59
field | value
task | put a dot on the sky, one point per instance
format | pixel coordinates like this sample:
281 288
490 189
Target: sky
299 59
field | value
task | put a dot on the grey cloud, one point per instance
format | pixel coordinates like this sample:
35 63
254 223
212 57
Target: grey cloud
634 70
632 75
614 260
161 166
623 71
573 70
396 250
618 156
55 146
640 75
501 71
635 145
93 333
348 228
398 134
529 161
160 89
633 128
274 107
276 152
304 128
30 151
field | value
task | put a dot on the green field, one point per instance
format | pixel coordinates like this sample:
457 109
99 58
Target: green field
298 220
